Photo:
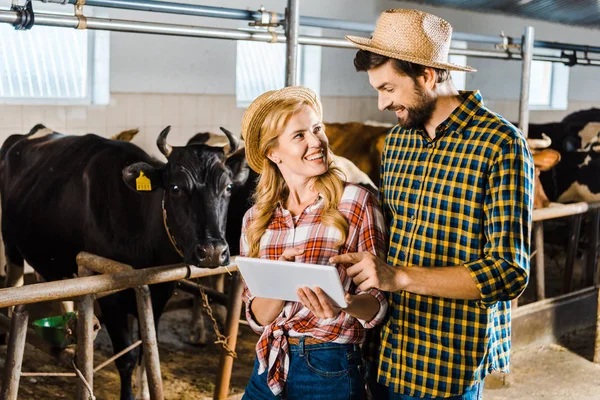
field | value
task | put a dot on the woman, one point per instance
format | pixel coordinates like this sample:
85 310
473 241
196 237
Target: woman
305 212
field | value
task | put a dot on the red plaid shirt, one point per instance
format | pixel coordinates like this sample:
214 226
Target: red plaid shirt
366 233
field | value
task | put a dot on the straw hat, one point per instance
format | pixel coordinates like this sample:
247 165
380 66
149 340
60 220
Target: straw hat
255 115
411 35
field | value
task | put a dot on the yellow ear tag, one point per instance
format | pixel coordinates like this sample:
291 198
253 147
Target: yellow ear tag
142 183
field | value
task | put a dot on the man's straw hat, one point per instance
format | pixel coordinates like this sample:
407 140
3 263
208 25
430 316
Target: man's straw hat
259 109
411 35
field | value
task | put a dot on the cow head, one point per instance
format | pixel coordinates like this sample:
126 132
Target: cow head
196 185
543 159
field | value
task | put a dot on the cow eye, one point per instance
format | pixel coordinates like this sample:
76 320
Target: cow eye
229 188
175 190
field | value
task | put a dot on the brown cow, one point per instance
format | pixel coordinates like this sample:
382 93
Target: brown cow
360 143
543 159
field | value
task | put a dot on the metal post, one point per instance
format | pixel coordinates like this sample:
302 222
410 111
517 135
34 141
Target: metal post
597 341
527 54
592 275
291 49
14 353
574 229
85 345
234 308
538 235
149 343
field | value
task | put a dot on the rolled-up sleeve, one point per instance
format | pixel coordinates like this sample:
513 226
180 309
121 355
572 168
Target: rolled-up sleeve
502 274
372 238
247 297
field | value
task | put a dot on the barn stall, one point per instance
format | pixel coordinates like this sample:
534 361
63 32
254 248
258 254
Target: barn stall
351 106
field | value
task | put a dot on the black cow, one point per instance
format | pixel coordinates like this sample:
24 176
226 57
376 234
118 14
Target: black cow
65 194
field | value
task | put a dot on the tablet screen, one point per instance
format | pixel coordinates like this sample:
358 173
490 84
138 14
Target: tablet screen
281 279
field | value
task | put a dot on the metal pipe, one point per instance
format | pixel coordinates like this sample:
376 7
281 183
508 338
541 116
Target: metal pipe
527 54
149 343
591 276
169 8
195 288
101 283
220 12
538 236
14 353
66 21
291 43
327 23
597 340
85 345
574 230
560 211
232 324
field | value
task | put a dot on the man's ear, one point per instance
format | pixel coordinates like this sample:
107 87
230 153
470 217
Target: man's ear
239 167
141 177
429 78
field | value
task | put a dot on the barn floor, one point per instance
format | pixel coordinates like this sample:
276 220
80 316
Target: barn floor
562 371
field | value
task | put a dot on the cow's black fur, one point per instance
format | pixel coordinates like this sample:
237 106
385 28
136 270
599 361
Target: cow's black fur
65 194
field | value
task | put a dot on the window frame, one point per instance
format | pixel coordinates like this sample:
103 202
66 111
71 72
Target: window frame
94 94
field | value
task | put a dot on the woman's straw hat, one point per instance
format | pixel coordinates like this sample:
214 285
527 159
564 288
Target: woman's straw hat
411 35
259 109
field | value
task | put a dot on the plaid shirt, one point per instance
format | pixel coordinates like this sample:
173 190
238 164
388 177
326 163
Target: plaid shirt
465 198
366 233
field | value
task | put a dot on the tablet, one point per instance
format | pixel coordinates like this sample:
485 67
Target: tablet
280 279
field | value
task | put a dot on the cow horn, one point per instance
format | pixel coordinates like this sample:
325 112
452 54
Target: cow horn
234 143
542 143
162 144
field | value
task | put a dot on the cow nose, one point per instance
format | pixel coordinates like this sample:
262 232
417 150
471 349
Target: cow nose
212 255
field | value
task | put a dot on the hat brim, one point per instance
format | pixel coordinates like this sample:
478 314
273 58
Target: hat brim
365 44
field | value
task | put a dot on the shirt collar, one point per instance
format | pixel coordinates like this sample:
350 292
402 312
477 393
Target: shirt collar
318 203
460 117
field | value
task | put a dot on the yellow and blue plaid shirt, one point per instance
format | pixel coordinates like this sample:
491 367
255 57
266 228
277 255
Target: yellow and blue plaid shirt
464 198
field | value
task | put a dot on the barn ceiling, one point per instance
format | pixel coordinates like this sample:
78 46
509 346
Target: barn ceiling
572 12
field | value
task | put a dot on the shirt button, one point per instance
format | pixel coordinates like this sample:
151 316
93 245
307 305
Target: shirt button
429 145
413 217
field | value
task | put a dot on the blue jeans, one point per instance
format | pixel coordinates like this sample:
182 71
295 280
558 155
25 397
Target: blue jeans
326 371
380 392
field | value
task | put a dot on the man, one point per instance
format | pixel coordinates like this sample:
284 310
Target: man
457 192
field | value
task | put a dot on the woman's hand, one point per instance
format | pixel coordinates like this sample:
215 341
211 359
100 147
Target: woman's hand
291 253
319 303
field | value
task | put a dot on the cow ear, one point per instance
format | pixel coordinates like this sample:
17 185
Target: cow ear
141 177
239 167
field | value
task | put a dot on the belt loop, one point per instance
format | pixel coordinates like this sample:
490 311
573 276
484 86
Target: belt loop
301 346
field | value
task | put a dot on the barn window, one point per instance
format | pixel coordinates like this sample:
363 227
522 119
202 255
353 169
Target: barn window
549 85
260 67
50 65
458 77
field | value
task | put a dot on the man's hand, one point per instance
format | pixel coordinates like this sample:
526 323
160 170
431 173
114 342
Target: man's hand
319 302
369 271
291 253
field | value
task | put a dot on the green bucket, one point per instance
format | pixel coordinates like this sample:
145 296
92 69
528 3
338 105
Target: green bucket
58 331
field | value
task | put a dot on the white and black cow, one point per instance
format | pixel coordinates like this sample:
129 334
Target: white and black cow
577 138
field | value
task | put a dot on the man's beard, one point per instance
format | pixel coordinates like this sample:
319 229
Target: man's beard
420 113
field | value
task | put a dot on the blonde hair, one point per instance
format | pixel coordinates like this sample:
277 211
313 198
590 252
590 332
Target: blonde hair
271 187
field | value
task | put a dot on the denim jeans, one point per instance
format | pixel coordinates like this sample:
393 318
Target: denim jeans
326 371
380 392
